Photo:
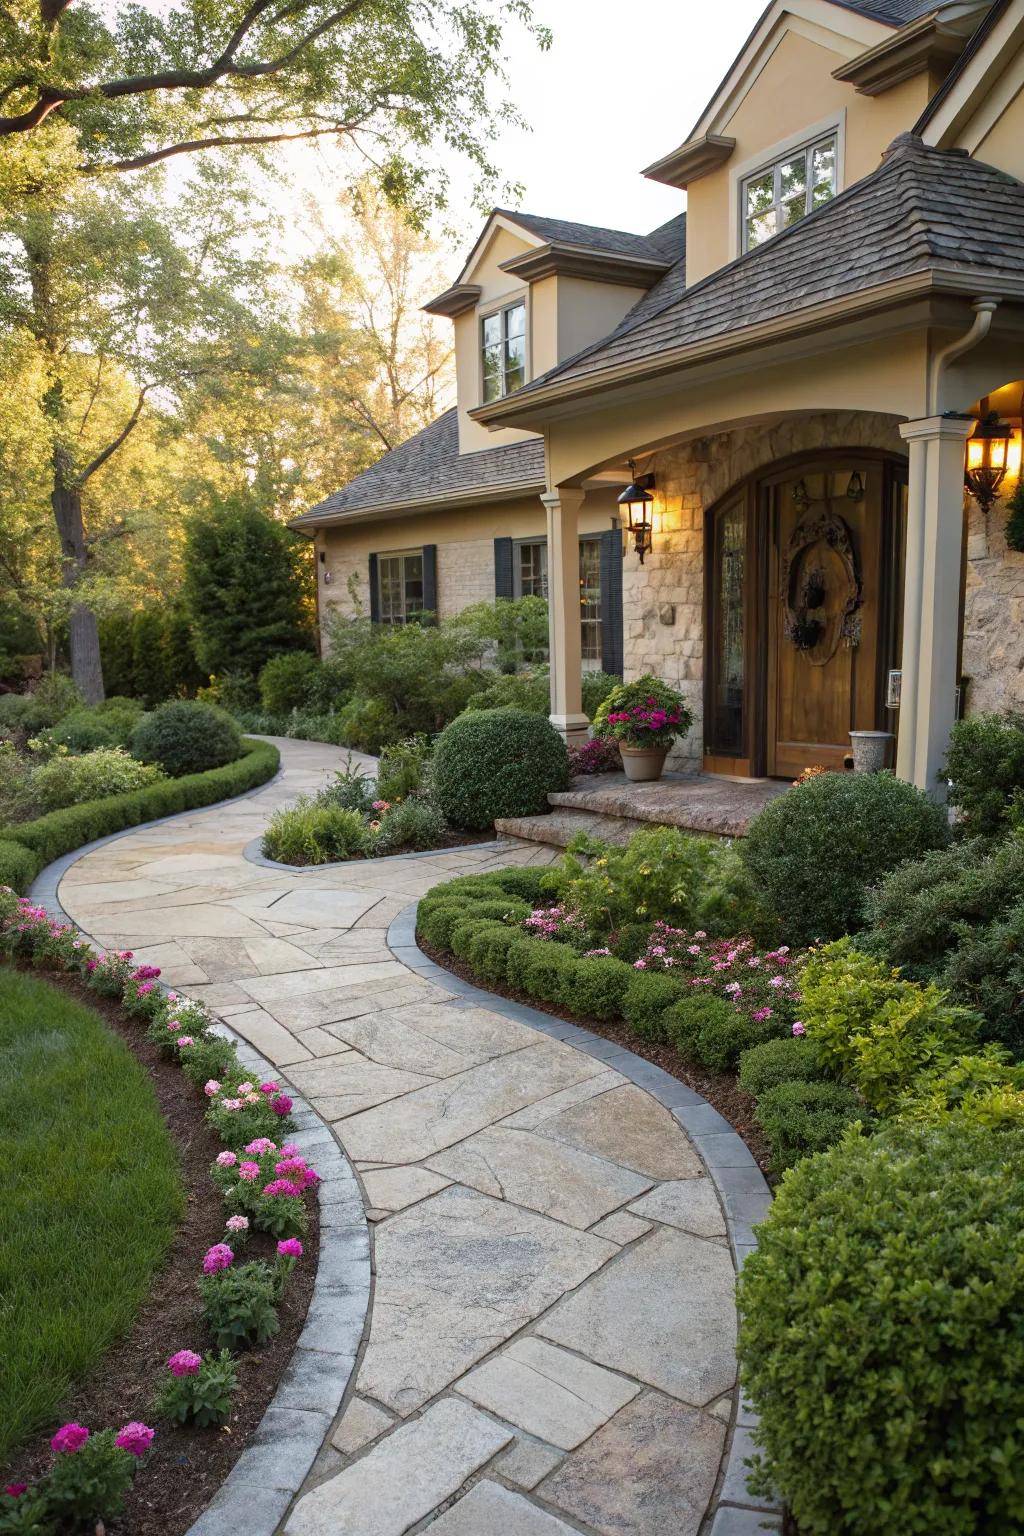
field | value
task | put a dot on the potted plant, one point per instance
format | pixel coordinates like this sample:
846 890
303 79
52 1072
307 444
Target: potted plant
644 718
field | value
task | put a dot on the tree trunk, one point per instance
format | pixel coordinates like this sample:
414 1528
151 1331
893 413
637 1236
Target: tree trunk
66 499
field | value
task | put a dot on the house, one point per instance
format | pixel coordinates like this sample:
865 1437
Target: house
789 372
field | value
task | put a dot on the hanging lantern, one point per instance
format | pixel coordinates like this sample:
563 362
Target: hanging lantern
855 489
988 457
638 504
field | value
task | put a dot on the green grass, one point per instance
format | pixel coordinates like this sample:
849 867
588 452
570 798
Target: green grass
91 1197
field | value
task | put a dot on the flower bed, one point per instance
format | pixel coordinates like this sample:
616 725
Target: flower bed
237 1273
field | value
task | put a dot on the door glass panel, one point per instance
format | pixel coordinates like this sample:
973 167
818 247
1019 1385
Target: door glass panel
729 552
590 602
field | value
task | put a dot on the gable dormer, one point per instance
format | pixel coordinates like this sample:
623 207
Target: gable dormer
533 292
818 92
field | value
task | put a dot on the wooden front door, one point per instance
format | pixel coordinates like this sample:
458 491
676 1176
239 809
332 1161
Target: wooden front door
824 611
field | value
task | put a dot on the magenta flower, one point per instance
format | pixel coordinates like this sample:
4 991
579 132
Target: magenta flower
70 1437
260 1145
15 1490
250 1172
185 1363
135 1438
290 1248
798 1028
282 1105
226 1159
282 1187
270 1088
218 1257
290 1165
244 1088
761 1015
310 1176
289 1149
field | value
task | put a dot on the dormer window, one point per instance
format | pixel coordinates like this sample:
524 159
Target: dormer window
503 340
784 193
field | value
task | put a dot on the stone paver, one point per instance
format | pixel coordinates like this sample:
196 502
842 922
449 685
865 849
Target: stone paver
554 1302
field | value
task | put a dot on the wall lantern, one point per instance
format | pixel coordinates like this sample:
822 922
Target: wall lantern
328 577
988 458
638 504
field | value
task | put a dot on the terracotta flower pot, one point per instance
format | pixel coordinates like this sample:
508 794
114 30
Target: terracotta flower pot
642 764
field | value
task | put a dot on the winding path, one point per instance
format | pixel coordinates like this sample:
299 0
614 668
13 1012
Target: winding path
551 1338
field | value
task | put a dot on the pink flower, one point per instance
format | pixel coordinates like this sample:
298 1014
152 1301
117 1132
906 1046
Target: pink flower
798 1028
260 1145
290 1165
776 981
289 1149
218 1257
70 1437
135 1438
226 1159
639 965
250 1172
270 1088
212 1088
290 1248
230 1103
761 1015
282 1105
185 1363
184 1040
244 1088
282 1187
252 1098
237 1223
15 1490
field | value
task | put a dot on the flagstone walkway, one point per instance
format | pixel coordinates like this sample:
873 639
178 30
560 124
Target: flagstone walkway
552 1331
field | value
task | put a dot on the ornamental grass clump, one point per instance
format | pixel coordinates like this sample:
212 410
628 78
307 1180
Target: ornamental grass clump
198 1389
881 1341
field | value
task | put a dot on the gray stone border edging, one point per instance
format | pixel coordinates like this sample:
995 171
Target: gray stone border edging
741 1186
251 851
258 1490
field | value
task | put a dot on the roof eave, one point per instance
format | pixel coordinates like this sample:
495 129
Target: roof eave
692 160
309 522
929 42
558 259
455 300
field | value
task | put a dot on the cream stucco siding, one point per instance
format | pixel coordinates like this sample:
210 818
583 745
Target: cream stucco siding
498 288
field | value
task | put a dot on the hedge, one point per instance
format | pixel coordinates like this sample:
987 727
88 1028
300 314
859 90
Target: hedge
18 866
50 837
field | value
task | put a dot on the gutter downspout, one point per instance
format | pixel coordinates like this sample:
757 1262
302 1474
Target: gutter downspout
984 309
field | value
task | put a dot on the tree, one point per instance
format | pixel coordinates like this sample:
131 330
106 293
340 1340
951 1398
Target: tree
248 589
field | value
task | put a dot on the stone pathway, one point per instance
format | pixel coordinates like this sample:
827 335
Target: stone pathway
552 1331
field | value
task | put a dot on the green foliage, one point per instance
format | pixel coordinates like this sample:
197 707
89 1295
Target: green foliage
240 1304
367 725
90 1484
210 1057
985 764
186 737
413 825
881 1341
527 884
529 691
202 1398
17 796
18 866
351 789
497 763
543 971
875 1029
515 631
110 724
813 852
404 768
801 1117
792 1060
285 681
647 1001
51 699
488 949
308 833
245 589
150 670
597 987
712 1032
986 972
89 1171
1015 518
981 1088
107 772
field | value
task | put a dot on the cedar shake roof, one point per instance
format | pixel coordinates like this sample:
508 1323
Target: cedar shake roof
907 217
428 470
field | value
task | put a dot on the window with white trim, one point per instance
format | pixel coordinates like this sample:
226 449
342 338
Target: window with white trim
530 579
784 193
503 347
400 585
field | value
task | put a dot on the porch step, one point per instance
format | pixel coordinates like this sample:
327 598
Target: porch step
561 827
694 802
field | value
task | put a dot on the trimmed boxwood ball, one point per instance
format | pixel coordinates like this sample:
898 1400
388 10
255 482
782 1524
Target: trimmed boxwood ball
596 988
497 762
792 1060
881 1339
186 736
813 852
489 949
527 884
647 999
800 1118
695 1011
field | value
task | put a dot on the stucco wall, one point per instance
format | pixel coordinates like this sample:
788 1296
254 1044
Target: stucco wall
663 599
993 615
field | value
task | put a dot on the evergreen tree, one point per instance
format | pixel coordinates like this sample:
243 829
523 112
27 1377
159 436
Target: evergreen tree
1015 518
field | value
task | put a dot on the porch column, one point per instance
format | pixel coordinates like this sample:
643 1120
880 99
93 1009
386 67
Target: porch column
564 638
931 597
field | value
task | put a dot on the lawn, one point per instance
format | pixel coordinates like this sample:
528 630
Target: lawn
92 1197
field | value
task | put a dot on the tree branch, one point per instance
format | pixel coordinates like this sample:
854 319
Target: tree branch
111 448
217 141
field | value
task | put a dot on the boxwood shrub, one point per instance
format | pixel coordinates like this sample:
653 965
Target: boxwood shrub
186 736
497 762
881 1340
767 1065
800 1118
647 999
813 852
18 866
489 949
711 1031
597 987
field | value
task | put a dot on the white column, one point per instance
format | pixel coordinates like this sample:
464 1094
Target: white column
566 660
931 596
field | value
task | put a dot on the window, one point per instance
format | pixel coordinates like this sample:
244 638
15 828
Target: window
503 339
530 579
400 581
784 193
531 574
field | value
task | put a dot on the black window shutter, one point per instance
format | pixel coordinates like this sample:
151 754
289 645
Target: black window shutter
503 579
611 601
430 581
374 591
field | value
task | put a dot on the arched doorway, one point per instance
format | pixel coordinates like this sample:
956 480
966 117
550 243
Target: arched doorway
803 596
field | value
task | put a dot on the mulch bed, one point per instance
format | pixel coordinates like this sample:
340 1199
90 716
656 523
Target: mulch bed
719 1088
185 1466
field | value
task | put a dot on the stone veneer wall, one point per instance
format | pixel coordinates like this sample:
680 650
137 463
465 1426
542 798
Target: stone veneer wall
993 615
663 600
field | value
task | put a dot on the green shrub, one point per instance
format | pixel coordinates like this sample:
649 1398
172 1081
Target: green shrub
881 1340
520 957
62 831
351 789
497 763
13 709
411 824
285 681
434 923
985 766
876 1029
629 941
110 724
986 972
488 951
201 1397
660 873
691 1013
982 1088
529 691
18 866
17 796
186 737
813 852
51 699
800 1118
240 1305
792 1060
308 833
366 725
109 771
546 971
646 1002
212 1057
596 987
526 883
404 768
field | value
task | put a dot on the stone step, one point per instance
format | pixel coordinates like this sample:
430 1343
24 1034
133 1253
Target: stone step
691 802
561 826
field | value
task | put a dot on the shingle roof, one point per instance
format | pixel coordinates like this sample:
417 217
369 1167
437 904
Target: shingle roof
923 208
617 242
429 469
894 13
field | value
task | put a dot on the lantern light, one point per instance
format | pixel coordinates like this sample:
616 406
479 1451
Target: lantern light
988 458
638 505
